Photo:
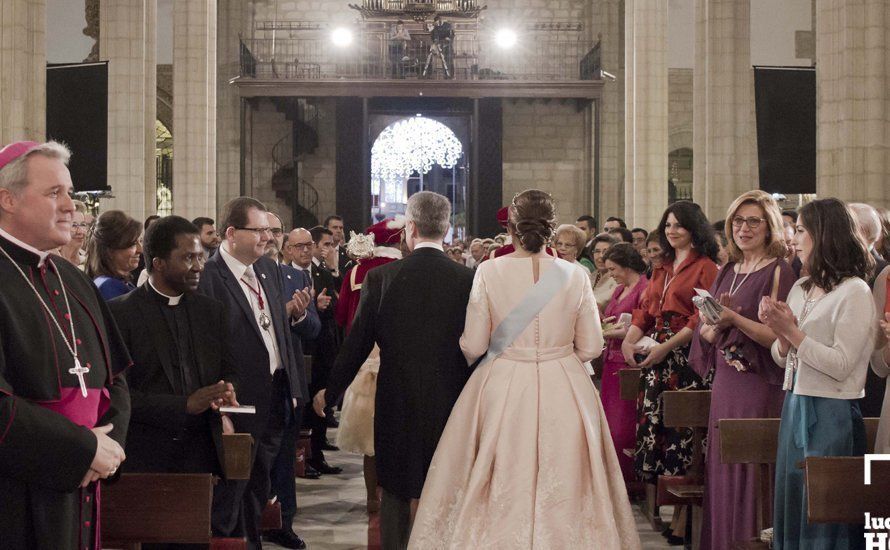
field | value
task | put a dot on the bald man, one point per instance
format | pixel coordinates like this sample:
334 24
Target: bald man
308 250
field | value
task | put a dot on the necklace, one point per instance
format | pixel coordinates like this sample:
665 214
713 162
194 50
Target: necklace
732 288
265 322
78 370
792 362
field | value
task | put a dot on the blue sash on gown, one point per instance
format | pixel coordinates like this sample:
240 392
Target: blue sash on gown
521 316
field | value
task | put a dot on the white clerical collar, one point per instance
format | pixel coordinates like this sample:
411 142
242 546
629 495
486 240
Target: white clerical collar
171 300
428 244
235 265
39 253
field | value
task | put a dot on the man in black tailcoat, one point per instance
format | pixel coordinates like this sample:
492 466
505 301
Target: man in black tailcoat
414 309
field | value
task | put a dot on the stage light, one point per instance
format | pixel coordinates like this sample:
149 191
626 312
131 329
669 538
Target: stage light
341 37
506 38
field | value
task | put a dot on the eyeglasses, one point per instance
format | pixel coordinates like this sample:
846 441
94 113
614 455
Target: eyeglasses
752 221
299 246
82 225
256 230
560 244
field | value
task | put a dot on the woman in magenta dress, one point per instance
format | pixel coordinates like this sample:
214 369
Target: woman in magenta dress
626 267
746 382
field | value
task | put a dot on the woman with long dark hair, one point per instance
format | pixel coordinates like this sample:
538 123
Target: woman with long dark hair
824 346
113 253
668 316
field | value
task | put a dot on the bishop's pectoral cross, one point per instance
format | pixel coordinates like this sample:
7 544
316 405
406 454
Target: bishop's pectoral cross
79 371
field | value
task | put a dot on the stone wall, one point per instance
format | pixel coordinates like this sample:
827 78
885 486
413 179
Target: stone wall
544 148
320 167
265 128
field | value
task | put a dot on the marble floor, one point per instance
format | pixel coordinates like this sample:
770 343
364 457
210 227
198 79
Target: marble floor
332 512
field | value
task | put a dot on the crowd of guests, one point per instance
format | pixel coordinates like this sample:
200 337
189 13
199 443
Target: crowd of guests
793 340
800 334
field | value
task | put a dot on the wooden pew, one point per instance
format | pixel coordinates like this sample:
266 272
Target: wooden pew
628 390
756 441
752 441
629 383
159 508
687 409
836 492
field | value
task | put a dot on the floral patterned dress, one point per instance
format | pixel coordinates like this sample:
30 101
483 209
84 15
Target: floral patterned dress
667 309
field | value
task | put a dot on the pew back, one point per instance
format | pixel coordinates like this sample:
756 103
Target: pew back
756 440
157 508
687 409
836 492
629 383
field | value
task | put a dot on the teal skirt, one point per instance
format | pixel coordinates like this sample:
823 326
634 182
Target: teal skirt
813 426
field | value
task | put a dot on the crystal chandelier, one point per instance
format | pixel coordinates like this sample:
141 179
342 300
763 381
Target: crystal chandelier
408 146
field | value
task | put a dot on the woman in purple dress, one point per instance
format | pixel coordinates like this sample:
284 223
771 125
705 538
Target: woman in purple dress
627 267
746 382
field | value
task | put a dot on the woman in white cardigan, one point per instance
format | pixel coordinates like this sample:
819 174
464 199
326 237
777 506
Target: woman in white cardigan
825 350
880 361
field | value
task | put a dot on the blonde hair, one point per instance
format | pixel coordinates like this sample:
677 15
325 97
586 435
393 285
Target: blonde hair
80 207
576 233
775 242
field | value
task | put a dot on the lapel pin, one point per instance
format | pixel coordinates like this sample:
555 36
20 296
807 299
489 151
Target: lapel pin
288 276
263 275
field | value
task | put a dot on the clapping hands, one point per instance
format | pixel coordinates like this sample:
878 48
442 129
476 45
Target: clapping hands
777 316
301 299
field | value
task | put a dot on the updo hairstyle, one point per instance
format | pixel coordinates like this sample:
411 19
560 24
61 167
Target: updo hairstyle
532 219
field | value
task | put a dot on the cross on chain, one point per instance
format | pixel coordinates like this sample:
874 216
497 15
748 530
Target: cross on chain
79 371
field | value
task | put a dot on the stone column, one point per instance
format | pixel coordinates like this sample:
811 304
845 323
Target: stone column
151 107
127 41
724 131
194 108
606 21
233 20
22 70
853 100
646 112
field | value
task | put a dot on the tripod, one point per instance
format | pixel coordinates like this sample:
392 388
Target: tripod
436 50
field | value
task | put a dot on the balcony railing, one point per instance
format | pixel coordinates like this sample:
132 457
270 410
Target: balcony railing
378 58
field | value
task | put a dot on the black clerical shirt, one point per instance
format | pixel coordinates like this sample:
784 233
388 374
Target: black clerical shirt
181 347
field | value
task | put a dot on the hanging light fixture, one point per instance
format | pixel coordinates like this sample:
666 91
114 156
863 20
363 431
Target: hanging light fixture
411 145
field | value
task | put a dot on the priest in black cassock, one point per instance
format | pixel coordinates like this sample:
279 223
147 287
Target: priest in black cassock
64 405
183 368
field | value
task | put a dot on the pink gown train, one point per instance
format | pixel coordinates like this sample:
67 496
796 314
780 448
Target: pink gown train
526 460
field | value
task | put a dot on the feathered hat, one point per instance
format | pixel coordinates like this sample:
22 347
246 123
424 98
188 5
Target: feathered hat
387 232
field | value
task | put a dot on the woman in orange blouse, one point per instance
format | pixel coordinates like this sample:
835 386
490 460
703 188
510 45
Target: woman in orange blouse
668 315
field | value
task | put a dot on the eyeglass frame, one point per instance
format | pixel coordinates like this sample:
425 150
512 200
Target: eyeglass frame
738 221
255 230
